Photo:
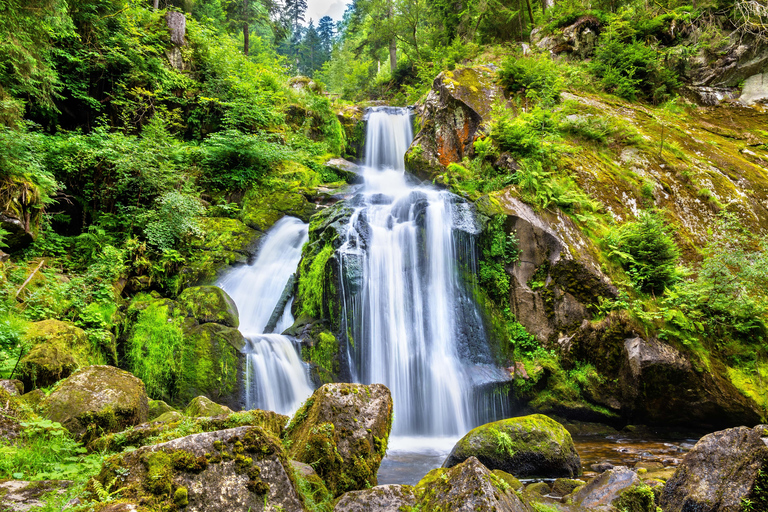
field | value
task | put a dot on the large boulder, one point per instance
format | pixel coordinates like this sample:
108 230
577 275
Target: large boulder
577 40
260 211
527 446
602 490
242 468
342 431
209 304
456 109
383 498
466 488
96 400
203 407
720 473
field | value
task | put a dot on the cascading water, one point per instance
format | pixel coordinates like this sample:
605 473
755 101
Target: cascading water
406 307
277 379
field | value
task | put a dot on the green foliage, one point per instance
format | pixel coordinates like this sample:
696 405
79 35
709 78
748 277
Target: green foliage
536 76
45 451
174 218
12 344
499 249
523 342
504 444
311 282
647 252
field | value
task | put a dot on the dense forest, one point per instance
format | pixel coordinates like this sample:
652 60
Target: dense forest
147 146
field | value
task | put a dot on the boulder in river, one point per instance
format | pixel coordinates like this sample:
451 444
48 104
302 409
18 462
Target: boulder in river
342 431
534 445
96 400
602 490
724 470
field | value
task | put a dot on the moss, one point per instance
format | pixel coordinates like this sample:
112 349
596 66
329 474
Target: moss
260 211
159 477
181 497
638 498
324 354
313 282
209 304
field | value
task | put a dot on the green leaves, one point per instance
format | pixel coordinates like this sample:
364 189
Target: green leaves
174 218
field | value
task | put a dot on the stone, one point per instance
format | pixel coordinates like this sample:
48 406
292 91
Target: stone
12 386
456 110
156 408
606 487
260 211
202 406
177 26
577 40
342 431
169 417
513 482
720 471
526 446
209 304
564 486
18 237
243 468
96 400
638 498
755 89
350 171
21 495
383 498
466 487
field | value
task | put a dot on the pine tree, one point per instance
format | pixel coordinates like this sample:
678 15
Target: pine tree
294 11
326 29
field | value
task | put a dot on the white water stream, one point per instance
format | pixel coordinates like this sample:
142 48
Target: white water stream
276 378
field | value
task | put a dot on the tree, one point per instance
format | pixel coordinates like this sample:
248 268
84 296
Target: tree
246 30
294 11
325 29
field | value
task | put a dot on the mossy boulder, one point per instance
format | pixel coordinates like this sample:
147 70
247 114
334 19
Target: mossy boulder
209 304
21 495
261 210
466 487
342 431
602 490
534 445
723 470
513 482
638 498
97 400
382 498
202 406
58 349
156 408
242 468
12 386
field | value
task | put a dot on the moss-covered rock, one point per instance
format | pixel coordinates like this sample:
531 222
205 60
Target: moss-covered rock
533 445
638 498
21 495
510 480
466 487
202 406
565 486
342 431
12 386
260 211
722 471
97 400
156 408
382 498
243 468
209 304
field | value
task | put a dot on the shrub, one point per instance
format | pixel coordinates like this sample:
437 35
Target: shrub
536 76
174 218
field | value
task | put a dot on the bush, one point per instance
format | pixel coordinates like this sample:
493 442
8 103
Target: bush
537 77
647 251
174 218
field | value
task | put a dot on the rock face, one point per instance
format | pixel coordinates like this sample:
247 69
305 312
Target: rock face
455 110
261 211
20 495
12 386
19 235
342 431
209 304
526 446
606 487
384 498
558 278
466 488
236 469
719 472
755 89
96 400
576 40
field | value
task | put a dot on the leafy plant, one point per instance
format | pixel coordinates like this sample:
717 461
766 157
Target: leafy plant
174 218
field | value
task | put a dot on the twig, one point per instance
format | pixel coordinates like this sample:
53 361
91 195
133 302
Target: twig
29 278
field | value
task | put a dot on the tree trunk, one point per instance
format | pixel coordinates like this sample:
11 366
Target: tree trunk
392 41
156 4
546 4
530 11
246 30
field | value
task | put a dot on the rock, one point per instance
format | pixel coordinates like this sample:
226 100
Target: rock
58 349
745 56
313 487
209 304
513 482
96 400
466 487
606 487
601 467
351 172
12 386
342 432
242 468
202 406
170 417
353 123
565 486
455 111
177 26
19 236
720 471
638 498
383 498
525 446
21 495
755 89
649 465
536 490
260 211
577 40
156 408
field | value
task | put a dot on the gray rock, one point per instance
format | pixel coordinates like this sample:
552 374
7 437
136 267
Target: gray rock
755 89
177 26
13 387
351 172
604 488
577 40
383 498
236 469
719 472
21 495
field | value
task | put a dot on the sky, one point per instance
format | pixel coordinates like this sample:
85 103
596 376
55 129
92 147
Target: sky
316 9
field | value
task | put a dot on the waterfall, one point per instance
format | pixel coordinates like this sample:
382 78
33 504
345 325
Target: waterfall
408 314
276 378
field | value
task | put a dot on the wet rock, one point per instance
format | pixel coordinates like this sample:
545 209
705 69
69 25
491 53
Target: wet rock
242 468
577 40
342 431
755 89
536 490
203 406
21 495
383 498
12 386
719 472
601 467
513 482
565 486
97 399
351 172
638 498
456 109
209 304
526 446
467 487
604 488
260 211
